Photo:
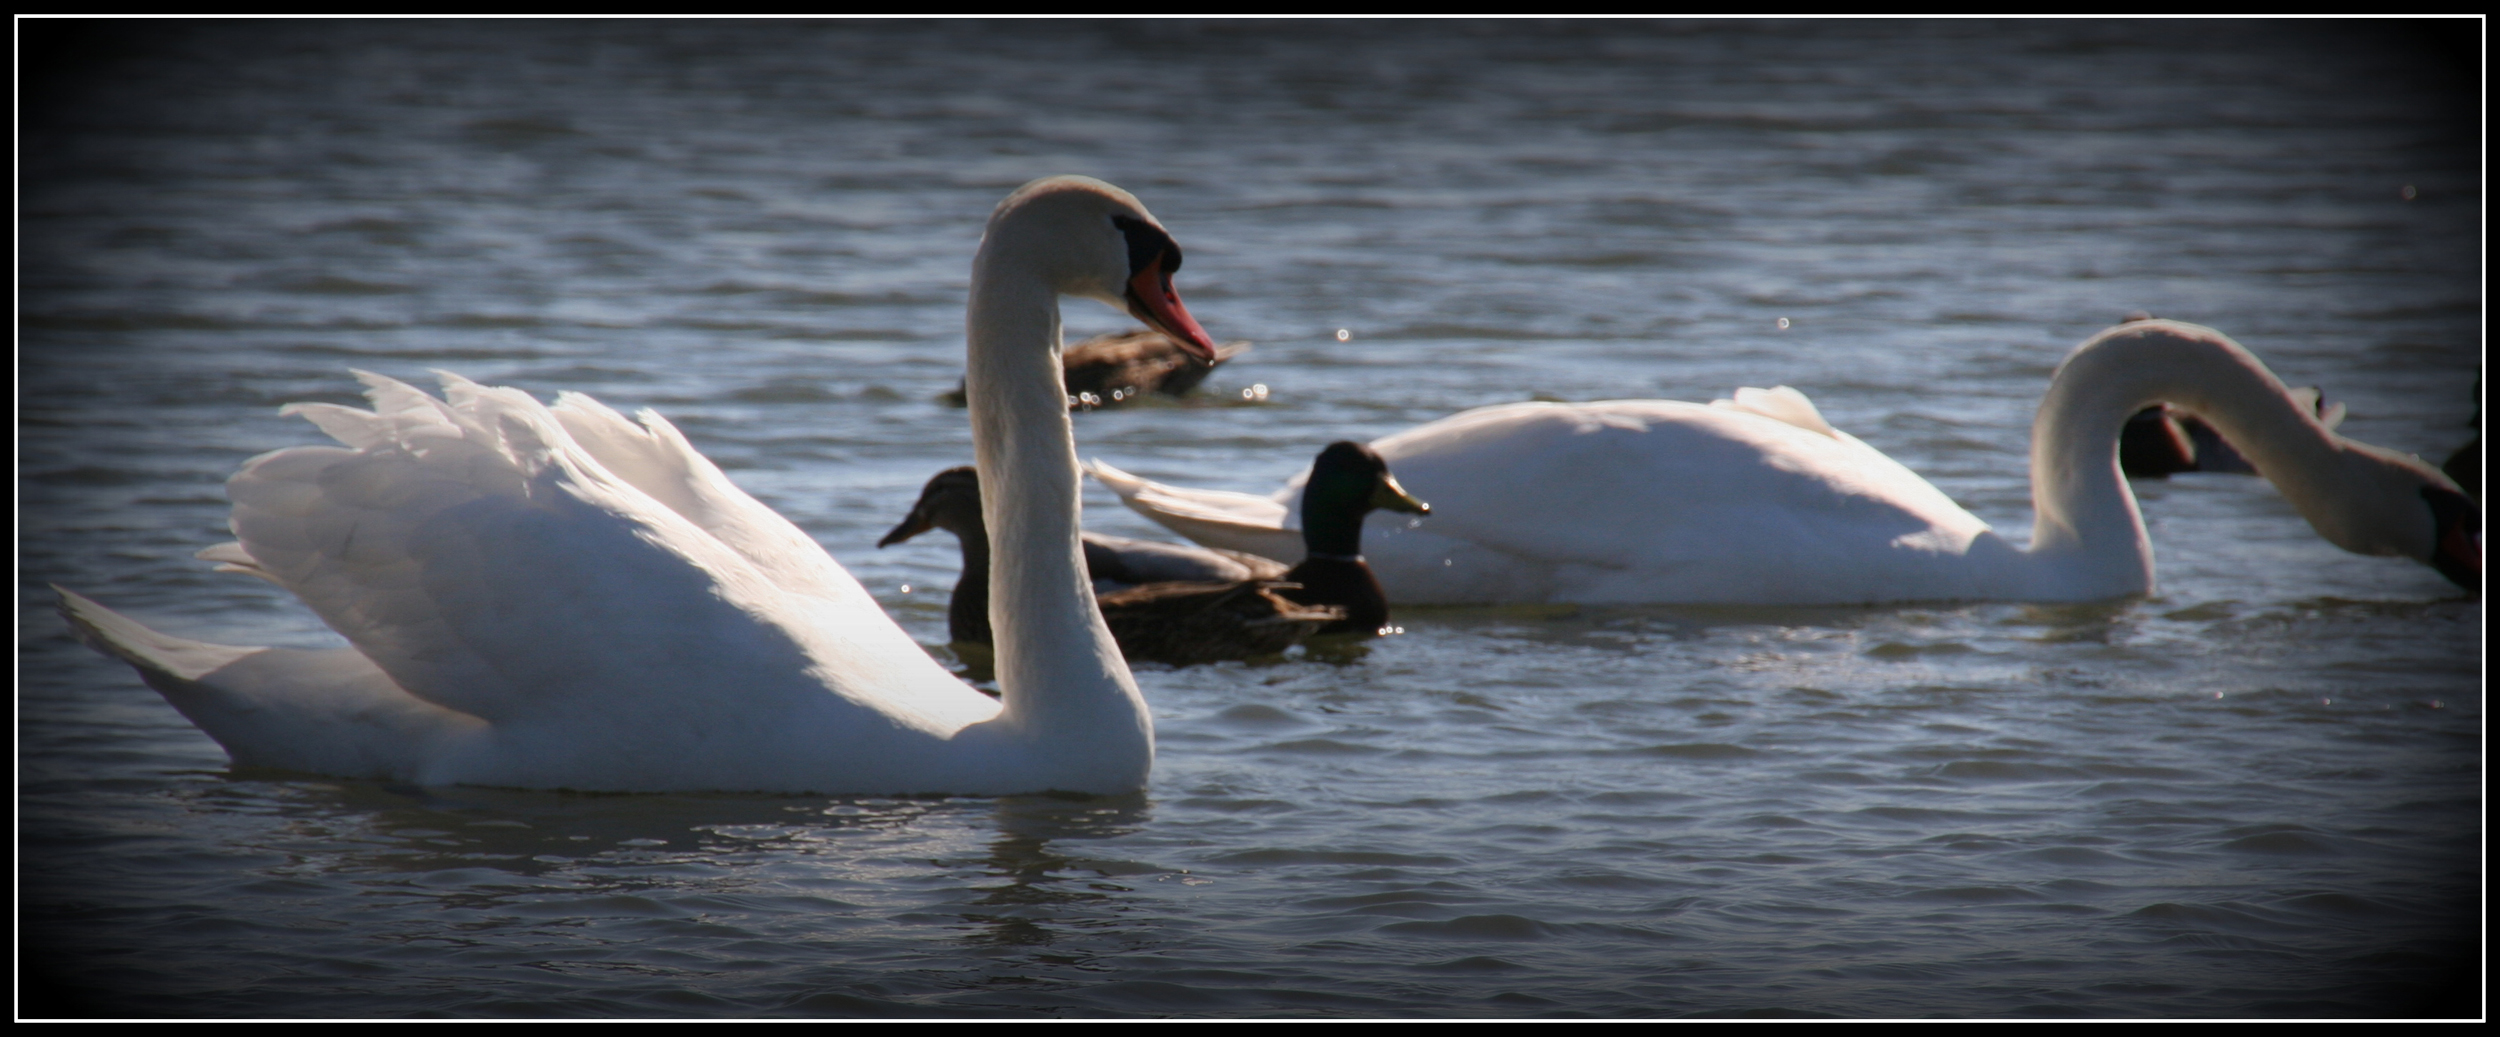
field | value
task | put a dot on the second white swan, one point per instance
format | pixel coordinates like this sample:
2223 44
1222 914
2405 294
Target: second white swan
1757 500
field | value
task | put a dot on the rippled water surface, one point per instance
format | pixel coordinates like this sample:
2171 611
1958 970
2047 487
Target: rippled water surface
2255 794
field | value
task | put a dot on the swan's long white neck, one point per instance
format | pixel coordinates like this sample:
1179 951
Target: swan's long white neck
1063 679
2088 537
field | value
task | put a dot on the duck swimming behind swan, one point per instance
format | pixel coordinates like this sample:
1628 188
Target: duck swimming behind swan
1758 500
556 597
1182 605
1164 603
1108 370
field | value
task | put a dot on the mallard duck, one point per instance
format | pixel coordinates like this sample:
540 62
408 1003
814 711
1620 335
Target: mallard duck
1757 500
1165 603
1108 370
1348 481
556 597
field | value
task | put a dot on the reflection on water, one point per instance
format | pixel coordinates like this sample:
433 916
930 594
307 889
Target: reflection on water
1044 885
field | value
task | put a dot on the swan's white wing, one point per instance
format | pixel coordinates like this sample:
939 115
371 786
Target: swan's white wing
490 564
1260 526
655 458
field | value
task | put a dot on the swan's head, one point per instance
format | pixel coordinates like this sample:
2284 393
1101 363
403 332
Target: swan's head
2458 553
2412 509
2365 499
1090 239
952 502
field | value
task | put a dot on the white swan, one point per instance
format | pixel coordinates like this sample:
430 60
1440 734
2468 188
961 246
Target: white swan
553 597
1757 500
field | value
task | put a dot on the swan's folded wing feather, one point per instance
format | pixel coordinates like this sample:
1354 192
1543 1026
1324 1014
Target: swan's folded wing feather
232 558
1779 403
655 457
1216 518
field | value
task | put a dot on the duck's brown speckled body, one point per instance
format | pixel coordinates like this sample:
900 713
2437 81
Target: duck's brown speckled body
1109 370
1222 606
1187 623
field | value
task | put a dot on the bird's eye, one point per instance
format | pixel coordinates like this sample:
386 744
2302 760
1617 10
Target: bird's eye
1148 245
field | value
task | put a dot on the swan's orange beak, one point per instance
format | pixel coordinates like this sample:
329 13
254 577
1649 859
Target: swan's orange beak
1151 299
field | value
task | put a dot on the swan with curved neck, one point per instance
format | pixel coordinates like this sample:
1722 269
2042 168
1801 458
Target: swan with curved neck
1756 500
554 597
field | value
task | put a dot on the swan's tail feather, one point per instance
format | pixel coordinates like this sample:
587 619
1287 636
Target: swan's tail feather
1215 518
331 712
151 653
1117 481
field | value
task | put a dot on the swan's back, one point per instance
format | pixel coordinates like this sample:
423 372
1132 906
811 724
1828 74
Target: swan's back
1654 500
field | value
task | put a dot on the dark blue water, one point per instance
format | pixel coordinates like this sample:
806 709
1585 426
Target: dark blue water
2255 794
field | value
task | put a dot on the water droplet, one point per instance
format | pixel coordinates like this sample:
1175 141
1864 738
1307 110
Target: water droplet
1343 334
1445 563
2409 194
907 588
1783 324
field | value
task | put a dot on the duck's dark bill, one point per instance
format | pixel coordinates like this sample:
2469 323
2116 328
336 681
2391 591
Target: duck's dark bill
911 526
1391 496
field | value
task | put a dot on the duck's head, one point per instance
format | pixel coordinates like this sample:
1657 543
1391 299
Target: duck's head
952 502
1349 476
1091 239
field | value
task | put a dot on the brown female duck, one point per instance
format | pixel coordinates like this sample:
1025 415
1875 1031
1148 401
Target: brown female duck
1107 370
